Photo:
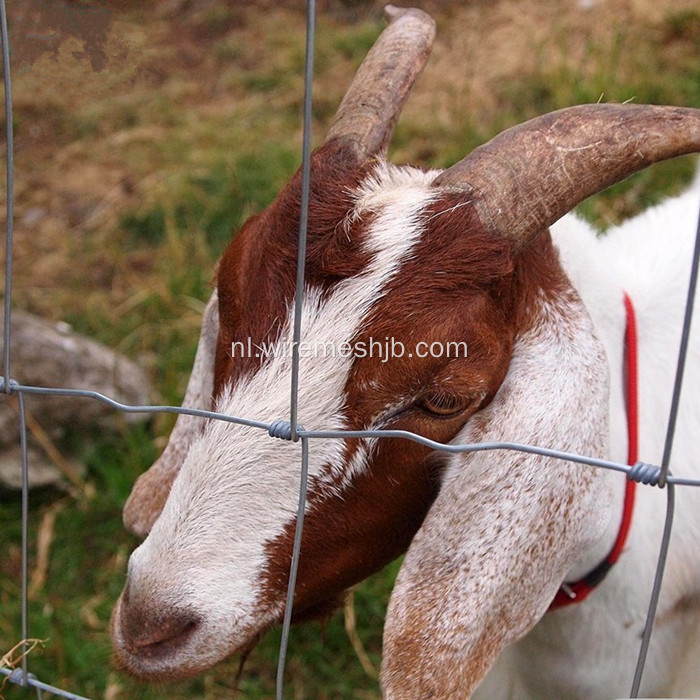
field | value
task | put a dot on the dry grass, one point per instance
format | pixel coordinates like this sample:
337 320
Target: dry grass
13 657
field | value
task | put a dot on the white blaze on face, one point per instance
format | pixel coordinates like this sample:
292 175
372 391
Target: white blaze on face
238 487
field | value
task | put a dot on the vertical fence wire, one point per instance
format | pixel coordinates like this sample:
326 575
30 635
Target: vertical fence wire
284 642
296 338
656 590
304 213
682 354
25 536
9 236
665 463
9 188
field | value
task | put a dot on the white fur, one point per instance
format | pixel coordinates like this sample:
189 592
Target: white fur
588 651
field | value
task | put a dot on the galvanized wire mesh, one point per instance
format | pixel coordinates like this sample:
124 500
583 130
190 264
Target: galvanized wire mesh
648 474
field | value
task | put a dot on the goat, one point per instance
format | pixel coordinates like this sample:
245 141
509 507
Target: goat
463 254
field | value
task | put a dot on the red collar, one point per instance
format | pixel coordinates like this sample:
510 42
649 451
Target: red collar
578 591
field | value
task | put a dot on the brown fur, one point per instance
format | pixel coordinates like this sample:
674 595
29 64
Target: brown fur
483 297
257 274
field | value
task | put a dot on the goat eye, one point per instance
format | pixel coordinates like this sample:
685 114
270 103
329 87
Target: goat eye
443 405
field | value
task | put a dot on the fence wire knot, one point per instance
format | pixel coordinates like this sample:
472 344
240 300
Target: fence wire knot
282 429
8 387
18 677
644 473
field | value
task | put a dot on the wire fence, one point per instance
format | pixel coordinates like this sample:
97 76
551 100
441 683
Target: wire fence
648 474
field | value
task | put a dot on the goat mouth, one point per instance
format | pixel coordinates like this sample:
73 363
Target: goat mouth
165 661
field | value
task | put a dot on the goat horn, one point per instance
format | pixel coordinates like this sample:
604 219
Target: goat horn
371 106
529 176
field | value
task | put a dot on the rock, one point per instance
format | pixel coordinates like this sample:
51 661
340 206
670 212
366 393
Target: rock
50 355
42 471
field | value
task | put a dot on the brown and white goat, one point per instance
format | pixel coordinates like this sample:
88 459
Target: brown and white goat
433 257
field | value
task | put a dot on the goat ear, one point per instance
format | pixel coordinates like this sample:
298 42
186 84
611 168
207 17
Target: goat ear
153 486
506 526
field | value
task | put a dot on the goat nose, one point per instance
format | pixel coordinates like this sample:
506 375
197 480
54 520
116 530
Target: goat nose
172 633
148 631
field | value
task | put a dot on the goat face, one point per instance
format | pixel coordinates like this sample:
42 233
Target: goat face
400 254
220 550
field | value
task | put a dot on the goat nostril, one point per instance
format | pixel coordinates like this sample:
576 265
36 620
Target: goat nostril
156 636
168 636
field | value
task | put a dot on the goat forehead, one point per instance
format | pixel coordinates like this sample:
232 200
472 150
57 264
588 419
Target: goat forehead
237 483
333 317
401 206
377 229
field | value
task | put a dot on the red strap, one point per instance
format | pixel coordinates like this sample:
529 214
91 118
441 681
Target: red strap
579 590
632 384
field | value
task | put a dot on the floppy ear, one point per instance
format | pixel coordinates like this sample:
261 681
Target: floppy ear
506 526
153 486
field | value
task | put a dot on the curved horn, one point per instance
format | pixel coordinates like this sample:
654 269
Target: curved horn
371 106
529 176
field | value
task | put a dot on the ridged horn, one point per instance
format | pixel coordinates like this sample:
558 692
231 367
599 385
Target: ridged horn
529 176
371 106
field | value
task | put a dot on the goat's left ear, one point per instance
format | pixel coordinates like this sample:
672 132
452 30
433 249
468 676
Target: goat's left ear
506 525
151 489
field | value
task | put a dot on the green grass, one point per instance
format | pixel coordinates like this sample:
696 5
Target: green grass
203 149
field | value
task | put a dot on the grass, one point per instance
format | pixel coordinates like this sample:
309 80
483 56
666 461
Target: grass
130 181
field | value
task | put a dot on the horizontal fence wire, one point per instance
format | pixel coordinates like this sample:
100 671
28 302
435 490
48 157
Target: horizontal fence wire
649 474
31 681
